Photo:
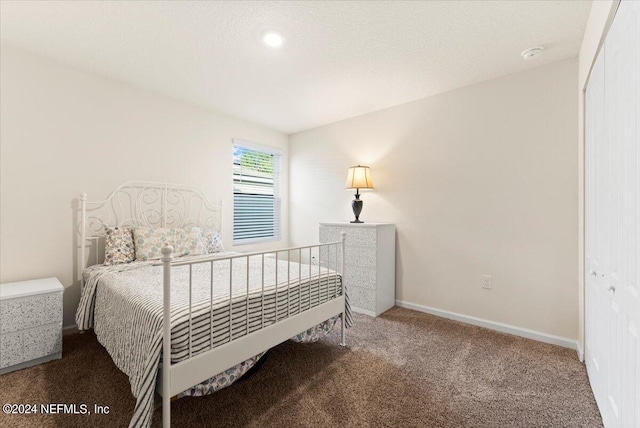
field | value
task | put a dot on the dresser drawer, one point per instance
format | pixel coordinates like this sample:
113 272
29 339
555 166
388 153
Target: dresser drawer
361 277
360 257
355 257
362 298
362 237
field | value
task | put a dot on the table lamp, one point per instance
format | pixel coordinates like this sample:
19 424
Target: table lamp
358 177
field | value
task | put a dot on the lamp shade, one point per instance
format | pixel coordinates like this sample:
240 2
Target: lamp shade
359 177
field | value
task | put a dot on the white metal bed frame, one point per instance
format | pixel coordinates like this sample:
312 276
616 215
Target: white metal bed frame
170 205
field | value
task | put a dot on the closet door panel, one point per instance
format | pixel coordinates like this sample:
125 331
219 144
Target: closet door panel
595 331
616 84
621 217
612 222
626 34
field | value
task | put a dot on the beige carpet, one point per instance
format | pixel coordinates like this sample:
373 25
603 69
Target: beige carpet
403 369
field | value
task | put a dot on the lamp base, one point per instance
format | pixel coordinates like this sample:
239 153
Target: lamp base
356 206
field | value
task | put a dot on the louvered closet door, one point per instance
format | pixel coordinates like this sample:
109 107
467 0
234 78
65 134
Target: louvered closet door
612 241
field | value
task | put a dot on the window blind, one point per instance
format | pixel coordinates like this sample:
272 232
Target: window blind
256 194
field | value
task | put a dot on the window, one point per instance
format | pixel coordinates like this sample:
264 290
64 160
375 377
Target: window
256 193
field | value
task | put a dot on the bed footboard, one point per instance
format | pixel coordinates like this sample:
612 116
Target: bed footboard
266 332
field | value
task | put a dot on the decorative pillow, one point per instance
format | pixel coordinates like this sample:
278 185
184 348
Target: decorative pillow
213 240
188 242
118 245
185 242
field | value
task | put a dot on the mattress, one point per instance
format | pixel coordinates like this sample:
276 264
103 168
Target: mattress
123 304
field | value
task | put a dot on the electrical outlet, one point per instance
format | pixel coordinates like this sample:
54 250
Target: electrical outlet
486 281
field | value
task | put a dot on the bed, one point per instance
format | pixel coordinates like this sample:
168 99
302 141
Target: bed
225 309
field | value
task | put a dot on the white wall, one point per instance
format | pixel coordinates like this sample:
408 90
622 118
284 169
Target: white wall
480 180
600 18
65 131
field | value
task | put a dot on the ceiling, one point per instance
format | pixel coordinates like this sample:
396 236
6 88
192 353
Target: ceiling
340 59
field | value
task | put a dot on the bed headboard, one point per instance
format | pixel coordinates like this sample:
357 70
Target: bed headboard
140 203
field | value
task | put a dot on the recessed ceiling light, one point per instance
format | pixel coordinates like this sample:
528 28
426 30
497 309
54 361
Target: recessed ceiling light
273 38
532 53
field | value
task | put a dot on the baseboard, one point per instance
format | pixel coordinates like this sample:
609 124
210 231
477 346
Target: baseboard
580 350
492 325
70 329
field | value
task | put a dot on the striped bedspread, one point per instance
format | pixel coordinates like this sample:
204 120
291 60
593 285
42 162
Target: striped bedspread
123 304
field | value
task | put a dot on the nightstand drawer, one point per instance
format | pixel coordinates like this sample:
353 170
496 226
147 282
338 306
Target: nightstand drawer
32 311
11 349
30 323
27 345
42 341
10 315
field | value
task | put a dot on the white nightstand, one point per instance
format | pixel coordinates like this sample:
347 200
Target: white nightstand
370 263
30 323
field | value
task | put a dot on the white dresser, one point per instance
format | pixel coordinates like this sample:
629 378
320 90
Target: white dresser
370 263
30 323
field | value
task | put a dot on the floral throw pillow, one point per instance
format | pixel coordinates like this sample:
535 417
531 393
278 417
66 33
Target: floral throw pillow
185 242
188 242
118 245
213 240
